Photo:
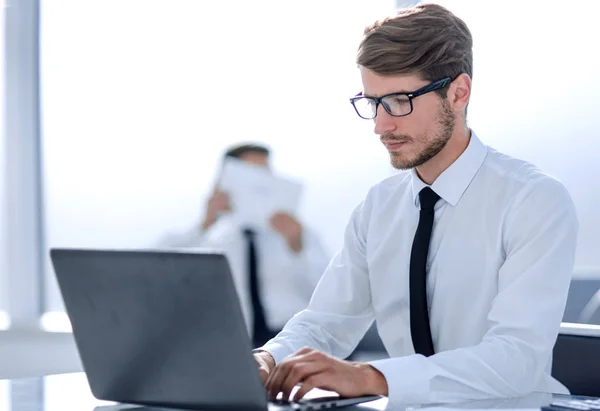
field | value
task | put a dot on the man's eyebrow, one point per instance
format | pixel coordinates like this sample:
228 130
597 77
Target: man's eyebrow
386 94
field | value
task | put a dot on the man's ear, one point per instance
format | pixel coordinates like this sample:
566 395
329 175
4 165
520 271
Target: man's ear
459 93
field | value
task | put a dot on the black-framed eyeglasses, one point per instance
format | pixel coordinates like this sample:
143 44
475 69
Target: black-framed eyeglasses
396 104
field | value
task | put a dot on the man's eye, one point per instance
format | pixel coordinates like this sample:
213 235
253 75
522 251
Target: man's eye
400 100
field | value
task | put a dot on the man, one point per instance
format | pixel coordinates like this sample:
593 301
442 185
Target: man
275 270
464 261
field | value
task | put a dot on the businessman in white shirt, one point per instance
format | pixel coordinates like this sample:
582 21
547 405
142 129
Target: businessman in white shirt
275 270
464 261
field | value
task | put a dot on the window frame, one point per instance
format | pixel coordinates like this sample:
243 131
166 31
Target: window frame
22 162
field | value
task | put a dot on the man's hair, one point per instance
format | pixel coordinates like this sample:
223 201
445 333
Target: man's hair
240 149
426 39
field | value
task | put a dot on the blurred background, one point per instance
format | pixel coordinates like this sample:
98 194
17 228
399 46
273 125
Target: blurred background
115 115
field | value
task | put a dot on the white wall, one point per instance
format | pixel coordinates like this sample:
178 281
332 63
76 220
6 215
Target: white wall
136 117
535 91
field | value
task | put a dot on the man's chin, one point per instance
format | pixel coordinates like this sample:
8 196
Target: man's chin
400 163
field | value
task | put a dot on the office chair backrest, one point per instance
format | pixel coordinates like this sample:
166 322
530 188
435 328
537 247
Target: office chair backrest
590 314
576 359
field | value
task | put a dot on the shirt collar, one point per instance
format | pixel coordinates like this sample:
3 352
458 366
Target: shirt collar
453 182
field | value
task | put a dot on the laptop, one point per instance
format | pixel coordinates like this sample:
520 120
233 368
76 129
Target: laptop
164 329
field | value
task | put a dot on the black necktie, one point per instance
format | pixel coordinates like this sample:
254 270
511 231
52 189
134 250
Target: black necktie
259 327
419 314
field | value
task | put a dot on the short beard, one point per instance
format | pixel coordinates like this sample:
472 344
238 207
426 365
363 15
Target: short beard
445 126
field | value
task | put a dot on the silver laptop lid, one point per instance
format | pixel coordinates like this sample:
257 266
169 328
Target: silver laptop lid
161 328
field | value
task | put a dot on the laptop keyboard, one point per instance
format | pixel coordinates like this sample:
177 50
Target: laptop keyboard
307 404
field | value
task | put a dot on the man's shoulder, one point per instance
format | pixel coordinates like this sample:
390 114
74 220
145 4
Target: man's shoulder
520 178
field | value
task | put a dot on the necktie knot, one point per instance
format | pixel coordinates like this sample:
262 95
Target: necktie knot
249 233
428 198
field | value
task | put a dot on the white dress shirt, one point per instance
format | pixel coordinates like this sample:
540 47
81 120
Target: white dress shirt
286 279
499 267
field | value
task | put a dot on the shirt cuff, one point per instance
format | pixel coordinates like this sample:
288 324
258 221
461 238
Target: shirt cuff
277 350
407 379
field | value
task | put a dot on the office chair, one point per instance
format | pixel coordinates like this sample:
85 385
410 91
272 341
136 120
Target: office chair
576 359
370 347
591 312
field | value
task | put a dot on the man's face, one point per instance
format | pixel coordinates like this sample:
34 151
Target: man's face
414 139
255 158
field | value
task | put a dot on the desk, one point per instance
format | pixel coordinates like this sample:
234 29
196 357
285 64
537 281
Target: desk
70 392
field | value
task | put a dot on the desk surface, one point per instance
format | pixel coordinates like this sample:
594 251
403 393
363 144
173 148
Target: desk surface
70 392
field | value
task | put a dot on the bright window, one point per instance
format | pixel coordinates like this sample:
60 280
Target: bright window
140 98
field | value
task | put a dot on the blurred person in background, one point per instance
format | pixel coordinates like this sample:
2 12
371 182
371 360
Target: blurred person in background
464 260
275 270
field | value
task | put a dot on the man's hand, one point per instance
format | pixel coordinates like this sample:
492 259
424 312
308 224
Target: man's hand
216 204
265 363
290 228
317 370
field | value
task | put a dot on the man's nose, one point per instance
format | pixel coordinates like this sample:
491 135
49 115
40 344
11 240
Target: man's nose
384 122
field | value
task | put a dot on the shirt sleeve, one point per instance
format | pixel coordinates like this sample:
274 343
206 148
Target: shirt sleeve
540 235
340 310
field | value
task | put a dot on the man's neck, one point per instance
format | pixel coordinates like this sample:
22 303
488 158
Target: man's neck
457 145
